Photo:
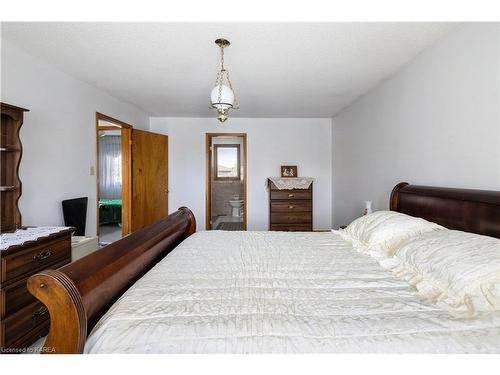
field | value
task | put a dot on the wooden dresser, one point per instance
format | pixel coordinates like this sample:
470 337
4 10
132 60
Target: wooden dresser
290 210
23 318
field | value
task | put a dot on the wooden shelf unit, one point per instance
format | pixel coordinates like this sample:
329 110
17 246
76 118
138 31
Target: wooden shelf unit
11 152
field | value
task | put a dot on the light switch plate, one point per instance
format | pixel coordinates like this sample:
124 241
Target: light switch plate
92 170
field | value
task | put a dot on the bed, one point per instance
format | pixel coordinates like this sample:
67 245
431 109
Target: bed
168 289
110 211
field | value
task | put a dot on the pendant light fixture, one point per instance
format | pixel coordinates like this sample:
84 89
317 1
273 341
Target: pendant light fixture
222 95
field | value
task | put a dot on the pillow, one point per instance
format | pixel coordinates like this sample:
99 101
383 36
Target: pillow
381 232
457 269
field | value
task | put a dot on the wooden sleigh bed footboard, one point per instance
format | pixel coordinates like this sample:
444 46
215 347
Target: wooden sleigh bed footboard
78 294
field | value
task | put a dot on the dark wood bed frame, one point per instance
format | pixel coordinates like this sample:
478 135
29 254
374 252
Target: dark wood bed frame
79 294
475 211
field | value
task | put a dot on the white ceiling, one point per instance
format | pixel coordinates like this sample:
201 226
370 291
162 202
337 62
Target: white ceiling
277 69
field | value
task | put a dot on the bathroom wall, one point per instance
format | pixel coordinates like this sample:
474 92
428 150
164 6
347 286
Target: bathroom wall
224 191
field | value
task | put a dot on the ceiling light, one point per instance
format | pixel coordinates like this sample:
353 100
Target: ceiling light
222 95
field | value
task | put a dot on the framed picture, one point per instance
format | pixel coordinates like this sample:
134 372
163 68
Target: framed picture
288 171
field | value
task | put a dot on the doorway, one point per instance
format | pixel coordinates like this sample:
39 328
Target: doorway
113 171
132 178
226 185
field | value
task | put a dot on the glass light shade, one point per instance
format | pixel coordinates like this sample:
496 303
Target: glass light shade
226 98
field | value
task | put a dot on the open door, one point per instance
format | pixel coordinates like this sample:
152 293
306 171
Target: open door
113 178
149 178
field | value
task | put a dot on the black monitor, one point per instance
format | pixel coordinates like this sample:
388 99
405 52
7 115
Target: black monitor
75 214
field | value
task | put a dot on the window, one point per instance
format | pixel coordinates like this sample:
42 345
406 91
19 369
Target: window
227 162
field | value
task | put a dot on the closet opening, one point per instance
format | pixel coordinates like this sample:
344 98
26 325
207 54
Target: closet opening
226 185
113 171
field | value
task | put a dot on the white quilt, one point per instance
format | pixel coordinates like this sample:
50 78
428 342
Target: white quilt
272 292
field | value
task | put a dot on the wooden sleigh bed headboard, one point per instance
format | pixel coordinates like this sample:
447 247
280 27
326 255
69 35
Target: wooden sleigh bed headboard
475 211
79 294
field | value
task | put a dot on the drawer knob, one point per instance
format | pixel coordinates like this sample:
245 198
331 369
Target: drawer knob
290 207
42 311
39 314
290 195
44 254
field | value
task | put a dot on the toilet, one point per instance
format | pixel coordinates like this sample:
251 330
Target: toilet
236 203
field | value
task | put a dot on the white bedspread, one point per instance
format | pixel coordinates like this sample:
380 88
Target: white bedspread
272 292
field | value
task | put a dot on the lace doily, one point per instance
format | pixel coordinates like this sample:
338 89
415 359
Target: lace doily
21 236
289 183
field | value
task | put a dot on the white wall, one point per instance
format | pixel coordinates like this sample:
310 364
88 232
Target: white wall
58 134
271 143
436 122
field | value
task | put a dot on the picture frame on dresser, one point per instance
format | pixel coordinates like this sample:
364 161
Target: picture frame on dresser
289 171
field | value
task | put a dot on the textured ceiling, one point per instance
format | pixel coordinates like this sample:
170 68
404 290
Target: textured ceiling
277 69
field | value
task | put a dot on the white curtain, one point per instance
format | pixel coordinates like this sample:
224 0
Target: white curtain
110 167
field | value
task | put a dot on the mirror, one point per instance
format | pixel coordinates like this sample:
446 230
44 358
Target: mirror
227 162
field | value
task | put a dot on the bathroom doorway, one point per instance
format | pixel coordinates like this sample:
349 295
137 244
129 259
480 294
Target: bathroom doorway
226 186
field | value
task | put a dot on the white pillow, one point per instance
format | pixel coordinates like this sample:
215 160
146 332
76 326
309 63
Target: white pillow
458 269
381 232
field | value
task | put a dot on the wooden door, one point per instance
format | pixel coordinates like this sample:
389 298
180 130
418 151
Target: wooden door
149 178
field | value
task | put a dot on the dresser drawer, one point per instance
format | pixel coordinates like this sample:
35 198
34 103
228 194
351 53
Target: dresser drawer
31 318
291 206
291 218
292 227
16 295
291 194
33 259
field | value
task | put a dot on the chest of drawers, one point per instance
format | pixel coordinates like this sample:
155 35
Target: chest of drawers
23 318
290 210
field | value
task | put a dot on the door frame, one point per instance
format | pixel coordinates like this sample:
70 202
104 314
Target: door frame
209 176
126 133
